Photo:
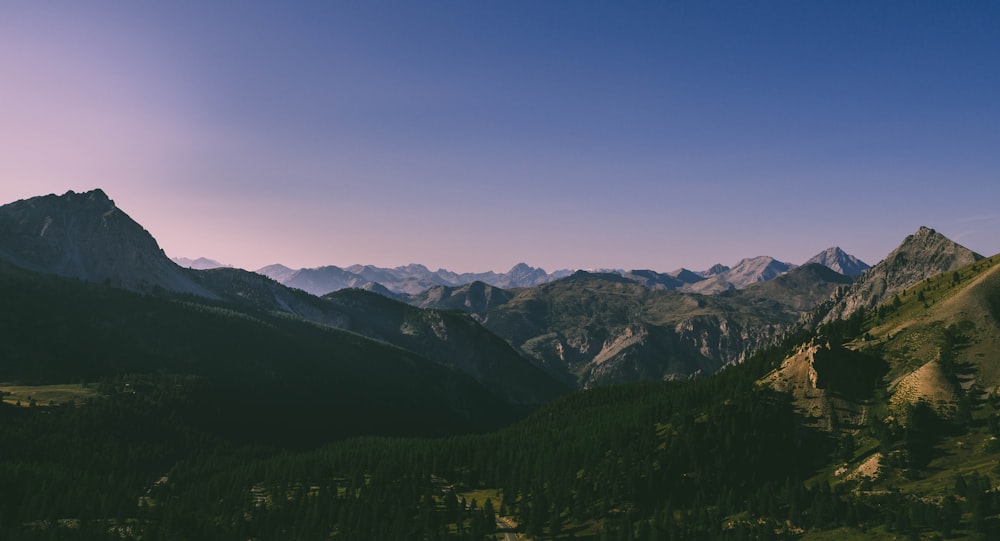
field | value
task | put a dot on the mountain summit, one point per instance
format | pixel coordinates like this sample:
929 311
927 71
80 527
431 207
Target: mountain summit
836 259
750 270
85 236
921 255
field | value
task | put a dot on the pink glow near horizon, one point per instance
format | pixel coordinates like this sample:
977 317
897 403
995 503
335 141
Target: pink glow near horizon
311 139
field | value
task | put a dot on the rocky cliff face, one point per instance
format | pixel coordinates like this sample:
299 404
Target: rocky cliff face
599 329
921 255
85 236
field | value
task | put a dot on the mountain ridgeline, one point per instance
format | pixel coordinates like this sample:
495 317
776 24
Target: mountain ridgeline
408 279
581 330
923 254
597 329
223 404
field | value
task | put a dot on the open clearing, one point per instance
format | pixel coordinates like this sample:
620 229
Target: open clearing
45 395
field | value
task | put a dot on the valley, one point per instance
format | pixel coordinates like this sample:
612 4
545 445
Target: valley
148 401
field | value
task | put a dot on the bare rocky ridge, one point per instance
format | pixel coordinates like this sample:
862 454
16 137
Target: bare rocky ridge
923 254
85 236
748 271
598 329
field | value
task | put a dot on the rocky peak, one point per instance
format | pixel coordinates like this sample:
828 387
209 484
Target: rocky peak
686 276
921 255
85 236
840 261
718 268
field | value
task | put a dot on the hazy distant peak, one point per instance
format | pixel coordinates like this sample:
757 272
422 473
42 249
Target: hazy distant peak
718 268
837 259
750 270
414 268
523 267
202 263
756 269
686 276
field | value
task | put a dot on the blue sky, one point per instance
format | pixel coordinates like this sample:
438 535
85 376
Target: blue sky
474 135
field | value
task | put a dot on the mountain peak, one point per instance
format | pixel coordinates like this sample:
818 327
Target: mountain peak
85 236
921 255
201 263
838 260
718 268
928 245
97 194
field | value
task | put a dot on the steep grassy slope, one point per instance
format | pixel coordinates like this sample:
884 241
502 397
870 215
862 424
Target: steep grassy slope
920 403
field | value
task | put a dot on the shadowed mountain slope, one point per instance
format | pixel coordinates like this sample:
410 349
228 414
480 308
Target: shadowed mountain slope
85 236
452 339
278 376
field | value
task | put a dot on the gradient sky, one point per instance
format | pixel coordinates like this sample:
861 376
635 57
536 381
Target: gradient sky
474 135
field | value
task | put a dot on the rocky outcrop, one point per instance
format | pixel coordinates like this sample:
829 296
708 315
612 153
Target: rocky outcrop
923 254
85 236
751 270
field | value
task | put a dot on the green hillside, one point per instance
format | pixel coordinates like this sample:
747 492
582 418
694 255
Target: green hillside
821 437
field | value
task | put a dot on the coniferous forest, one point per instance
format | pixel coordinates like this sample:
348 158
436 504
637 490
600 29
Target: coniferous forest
499 270
179 418
716 458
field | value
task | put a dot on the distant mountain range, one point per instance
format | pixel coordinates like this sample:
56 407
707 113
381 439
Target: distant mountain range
856 398
86 237
202 263
580 329
414 278
593 329
408 279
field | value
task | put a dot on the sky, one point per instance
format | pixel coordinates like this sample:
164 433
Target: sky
476 135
